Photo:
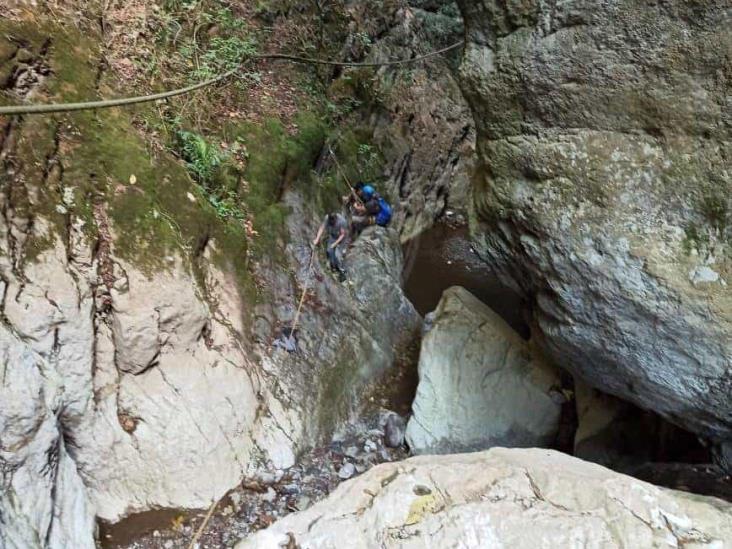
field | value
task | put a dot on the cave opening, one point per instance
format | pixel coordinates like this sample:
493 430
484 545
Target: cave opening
637 442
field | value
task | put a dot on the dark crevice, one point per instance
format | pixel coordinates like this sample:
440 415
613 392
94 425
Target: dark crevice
403 177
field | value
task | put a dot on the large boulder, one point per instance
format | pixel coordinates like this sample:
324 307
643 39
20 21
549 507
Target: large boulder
603 189
480 384
514 498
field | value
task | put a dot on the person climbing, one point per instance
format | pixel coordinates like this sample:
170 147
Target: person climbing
336 227
351 199
374 210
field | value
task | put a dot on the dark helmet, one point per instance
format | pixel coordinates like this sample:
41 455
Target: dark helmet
332 218
359 186
368 191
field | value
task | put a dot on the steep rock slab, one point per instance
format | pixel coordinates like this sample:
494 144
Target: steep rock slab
349 334
603 191
480 384
501 498
375 265
43 502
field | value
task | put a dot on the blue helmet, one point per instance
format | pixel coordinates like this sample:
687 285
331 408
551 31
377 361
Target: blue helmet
368 191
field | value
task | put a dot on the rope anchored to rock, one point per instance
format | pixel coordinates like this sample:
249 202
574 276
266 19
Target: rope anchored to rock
17 110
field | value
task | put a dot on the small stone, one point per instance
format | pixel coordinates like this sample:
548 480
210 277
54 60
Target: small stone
156 534
370 446
23 56
303 502
254 485
394 429
703 274
270 495
235 499
351 452
360 468
266 478
346 471
168 544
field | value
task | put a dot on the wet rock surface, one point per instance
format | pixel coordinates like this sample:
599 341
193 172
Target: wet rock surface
483 500
263 498
603 190
698 478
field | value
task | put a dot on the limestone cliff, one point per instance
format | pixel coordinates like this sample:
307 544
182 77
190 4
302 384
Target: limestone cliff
137 315
603 189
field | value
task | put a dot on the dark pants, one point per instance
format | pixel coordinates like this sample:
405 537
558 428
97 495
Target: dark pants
360 222
335 255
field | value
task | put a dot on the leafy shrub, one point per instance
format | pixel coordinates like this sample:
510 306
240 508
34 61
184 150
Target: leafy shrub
224 54
202 158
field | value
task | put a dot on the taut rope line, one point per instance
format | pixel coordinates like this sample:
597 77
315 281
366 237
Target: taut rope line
17 110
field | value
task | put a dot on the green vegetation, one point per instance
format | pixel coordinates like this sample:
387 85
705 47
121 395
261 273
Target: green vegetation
203 39
715 209
202 157
276 161
224 54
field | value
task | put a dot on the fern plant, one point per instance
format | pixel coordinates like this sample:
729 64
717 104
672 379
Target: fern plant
202 157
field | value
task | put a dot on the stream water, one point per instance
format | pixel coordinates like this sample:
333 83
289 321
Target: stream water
442 257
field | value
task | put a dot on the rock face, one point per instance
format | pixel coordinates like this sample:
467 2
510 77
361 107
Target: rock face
42 497
375 265
133 372
603 190
501 498
480 385
349 334
422 124
107 388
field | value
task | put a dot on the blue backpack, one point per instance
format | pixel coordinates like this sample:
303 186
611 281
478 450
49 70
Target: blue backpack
385 212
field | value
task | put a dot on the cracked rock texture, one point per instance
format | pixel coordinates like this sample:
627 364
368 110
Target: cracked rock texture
422 123
501 498
603 189
136 369
480 383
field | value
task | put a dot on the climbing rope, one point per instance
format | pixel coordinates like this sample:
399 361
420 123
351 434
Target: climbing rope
304 293
194 540
123 101
345 177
